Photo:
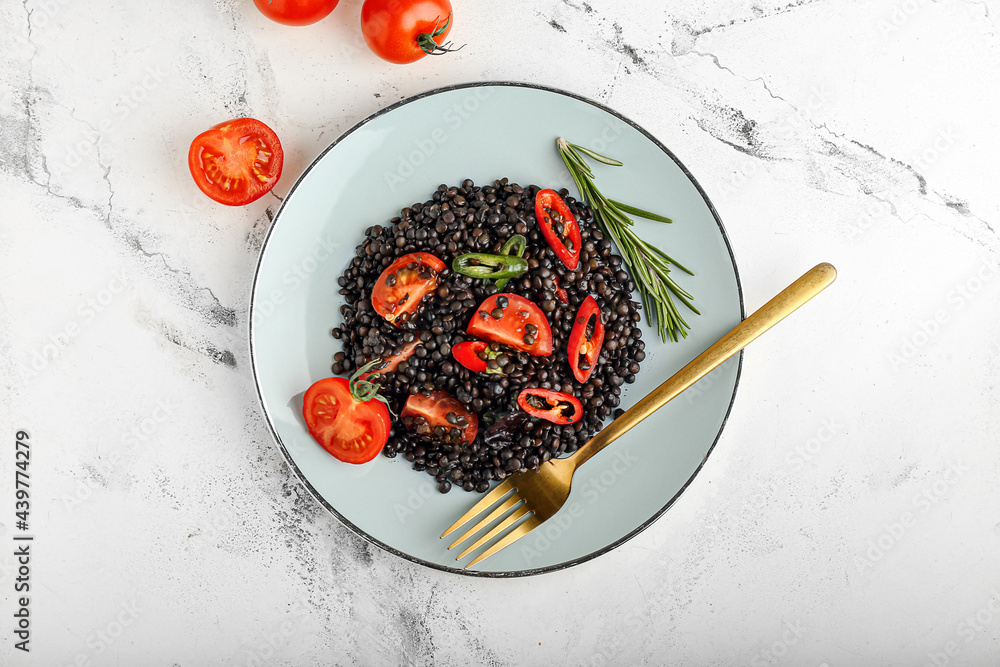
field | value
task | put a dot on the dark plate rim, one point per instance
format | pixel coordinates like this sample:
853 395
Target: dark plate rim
281 445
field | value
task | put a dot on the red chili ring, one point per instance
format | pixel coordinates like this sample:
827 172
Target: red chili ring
565 242
584 349
554 406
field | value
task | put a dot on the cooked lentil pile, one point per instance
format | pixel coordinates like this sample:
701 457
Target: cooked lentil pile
471 219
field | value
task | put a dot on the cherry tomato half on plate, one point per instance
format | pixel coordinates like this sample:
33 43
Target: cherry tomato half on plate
403 31
439 418
347 418
236 162
296 12
399 290
390 363
559 227
586 339
554 406
512 320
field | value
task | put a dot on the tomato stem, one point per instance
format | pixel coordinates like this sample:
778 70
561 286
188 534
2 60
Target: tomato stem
429 45
366 390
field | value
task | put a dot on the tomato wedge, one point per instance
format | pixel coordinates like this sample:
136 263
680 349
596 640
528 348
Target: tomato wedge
554 406
439 418
512 320
586 339
559 227
347 418
389 364
400 289
236 162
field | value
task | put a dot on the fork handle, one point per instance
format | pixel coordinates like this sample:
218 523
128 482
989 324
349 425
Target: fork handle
787 301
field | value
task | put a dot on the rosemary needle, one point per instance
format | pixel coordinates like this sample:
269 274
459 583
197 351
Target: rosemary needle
649 265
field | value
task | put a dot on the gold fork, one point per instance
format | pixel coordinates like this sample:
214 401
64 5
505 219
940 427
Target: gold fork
537 495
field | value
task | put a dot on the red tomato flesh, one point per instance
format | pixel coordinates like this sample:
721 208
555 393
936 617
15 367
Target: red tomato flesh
586 339
236 162
350 430
401 288
554 406
559 227
428 416
296 12
521 324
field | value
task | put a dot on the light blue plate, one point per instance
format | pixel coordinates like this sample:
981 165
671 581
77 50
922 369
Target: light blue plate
397 157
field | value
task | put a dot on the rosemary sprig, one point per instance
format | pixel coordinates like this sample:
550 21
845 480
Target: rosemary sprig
650 266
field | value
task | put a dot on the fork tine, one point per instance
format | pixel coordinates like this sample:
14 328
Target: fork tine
514 517
487 501
501 509
520 531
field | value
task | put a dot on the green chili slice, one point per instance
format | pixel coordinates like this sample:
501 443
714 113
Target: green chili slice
489 267
515 245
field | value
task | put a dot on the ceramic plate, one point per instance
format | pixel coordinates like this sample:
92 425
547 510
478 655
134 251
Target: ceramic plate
399 156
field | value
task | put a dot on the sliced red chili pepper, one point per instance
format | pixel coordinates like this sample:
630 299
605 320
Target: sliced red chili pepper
586 339
390 363
467 354
554 406
514 321
476 355
561 292
559 227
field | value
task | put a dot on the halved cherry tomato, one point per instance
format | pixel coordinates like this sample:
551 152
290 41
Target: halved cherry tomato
295 12
559 227
389 364
346 418
554 406
439 417
401 287
476 355
561 292
236 162
586 339
512 320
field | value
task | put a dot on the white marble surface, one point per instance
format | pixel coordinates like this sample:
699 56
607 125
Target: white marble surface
849 514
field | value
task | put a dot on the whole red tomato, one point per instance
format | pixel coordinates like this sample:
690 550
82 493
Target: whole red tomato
402 31
296 12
